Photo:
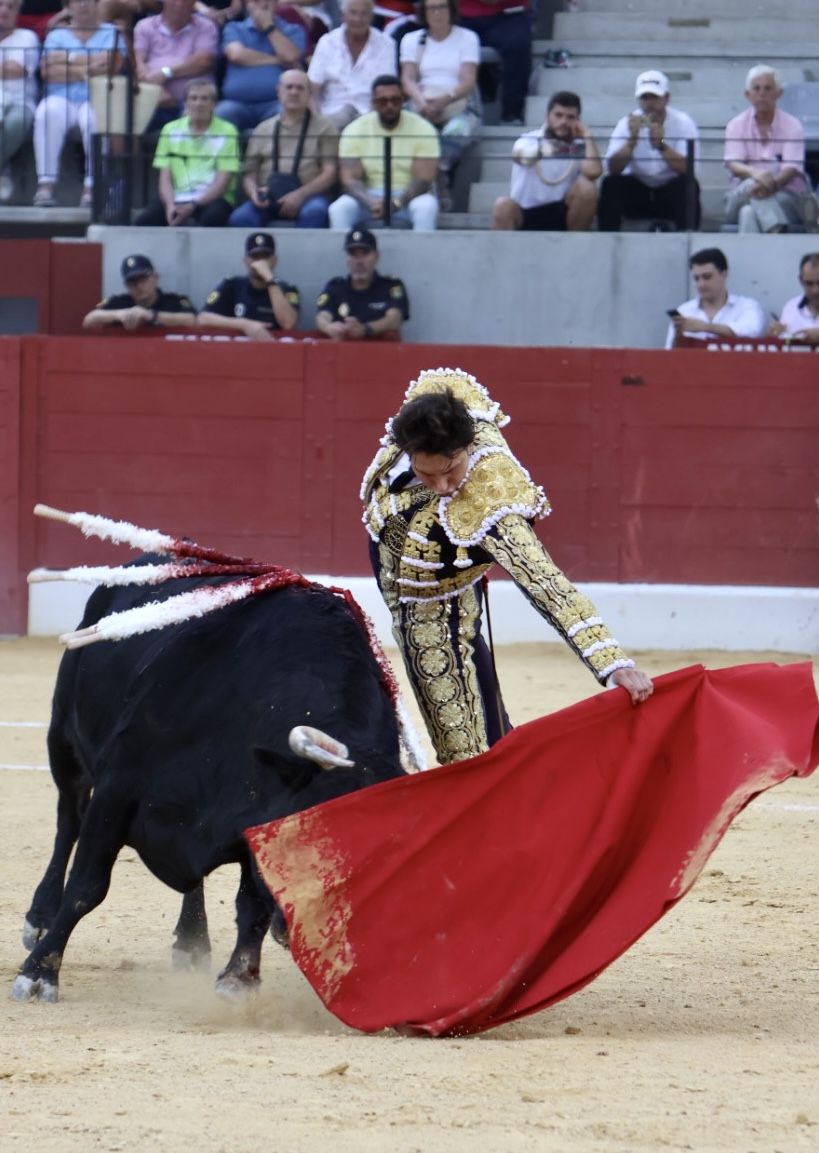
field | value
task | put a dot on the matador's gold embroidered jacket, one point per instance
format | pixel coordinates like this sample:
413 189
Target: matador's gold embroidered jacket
435 548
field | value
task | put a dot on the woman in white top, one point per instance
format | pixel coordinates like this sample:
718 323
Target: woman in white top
439 73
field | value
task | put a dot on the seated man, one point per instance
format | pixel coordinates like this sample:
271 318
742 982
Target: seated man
198 158
714 311
143 303
414 165
765 154
272 152
172 48
19 58
347 60
647 159
257 49
800 315
364 305
257 304
554 171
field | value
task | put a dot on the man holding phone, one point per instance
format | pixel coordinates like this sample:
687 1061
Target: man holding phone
714 311
647 160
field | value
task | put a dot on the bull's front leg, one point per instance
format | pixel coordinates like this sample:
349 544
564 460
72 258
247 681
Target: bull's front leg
191 949
100 840
241 974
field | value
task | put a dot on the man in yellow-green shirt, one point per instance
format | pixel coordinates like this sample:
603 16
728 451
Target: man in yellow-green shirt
415 151
198 157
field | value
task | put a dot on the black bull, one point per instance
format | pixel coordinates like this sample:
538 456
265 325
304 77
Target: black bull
175 741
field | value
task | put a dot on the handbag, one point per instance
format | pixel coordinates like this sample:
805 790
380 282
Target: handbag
280 183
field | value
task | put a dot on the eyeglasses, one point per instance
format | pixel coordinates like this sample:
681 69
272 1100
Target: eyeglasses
388 100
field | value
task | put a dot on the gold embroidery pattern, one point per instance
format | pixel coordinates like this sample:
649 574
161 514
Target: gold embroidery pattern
516 548
445 683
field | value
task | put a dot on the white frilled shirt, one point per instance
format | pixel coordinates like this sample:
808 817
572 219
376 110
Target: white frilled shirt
343 80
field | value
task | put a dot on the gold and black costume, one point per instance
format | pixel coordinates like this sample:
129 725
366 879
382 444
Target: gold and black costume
429 554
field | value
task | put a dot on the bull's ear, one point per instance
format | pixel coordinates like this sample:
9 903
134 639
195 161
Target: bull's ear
294 776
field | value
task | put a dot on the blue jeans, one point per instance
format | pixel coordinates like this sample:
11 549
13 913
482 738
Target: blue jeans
245 115
312 214
511 37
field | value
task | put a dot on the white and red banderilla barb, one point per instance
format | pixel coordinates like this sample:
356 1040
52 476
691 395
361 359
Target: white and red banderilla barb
194 560
253 577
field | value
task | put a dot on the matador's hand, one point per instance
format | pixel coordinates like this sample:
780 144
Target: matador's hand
638 686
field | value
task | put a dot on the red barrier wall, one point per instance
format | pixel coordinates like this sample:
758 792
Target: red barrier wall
65 279
688 467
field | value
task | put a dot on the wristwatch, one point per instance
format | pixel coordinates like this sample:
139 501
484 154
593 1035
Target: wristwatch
167 72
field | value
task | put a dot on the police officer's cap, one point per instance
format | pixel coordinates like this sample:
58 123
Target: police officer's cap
135 266
259 242
360 238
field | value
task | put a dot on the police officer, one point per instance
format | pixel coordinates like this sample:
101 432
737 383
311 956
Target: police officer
256 304
364 305
144 303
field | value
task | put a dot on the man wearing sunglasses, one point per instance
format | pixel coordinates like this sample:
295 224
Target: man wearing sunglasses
369 198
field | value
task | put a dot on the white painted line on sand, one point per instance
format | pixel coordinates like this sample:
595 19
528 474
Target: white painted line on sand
26 768
23 725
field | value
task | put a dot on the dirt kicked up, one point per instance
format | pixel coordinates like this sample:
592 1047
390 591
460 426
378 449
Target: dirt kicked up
702 1037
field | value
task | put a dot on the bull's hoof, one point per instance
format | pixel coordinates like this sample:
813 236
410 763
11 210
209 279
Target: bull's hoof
34 989
233 987
187 960
31 935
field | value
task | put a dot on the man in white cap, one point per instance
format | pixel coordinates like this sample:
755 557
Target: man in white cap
646 162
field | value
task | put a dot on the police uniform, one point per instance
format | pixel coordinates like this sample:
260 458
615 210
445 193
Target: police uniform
430 553
165 302
235 296
341 300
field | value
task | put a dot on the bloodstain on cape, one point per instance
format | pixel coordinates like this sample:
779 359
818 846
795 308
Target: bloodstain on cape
452 901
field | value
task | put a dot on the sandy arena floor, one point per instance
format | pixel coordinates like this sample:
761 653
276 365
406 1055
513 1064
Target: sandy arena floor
705 1036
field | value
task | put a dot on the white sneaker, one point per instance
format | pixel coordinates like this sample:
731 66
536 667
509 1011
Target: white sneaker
6 187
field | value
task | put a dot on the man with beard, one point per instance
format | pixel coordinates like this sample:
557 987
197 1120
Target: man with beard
553 175
413 167
364 305
256 304
143 303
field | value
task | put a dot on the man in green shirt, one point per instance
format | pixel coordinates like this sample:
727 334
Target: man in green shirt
198 157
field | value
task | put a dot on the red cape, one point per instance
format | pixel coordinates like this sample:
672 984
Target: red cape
455 900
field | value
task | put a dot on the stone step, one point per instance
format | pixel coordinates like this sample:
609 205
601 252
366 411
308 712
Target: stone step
705 79
735 9
484 194
604 27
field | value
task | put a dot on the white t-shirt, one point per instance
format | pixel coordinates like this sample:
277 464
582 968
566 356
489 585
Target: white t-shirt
743 314
20 47
343 80
796 318
440 60
646 162
548 180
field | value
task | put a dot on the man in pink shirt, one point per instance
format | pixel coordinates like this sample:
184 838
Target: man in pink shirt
765 154
171 48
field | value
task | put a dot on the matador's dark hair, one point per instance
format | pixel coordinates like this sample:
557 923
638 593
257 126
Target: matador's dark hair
436 422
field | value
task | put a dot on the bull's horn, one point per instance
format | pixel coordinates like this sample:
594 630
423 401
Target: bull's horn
319 747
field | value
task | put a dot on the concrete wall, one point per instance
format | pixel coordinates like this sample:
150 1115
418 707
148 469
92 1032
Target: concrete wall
537 289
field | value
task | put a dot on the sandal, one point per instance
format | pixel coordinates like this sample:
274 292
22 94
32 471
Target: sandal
44 198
